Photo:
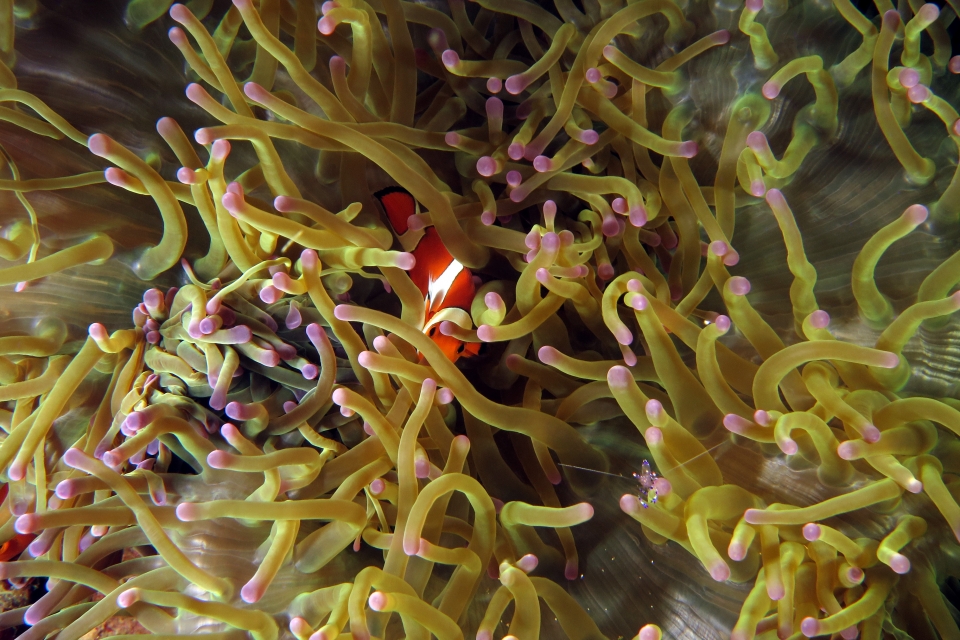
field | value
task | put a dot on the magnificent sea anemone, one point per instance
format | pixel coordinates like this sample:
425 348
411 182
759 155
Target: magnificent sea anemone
493 319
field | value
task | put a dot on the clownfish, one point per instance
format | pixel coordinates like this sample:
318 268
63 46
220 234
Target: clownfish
15 545
443 281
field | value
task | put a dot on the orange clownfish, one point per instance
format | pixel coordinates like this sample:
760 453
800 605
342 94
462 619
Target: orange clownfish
14 546
446 284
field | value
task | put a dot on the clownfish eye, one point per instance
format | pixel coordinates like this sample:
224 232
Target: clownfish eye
433 331
461 348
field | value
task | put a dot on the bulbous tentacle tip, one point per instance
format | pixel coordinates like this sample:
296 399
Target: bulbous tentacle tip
593 75
689 149
736 551
623 335
584 511
653 435
718 248
770 90
177 36
486 333
255 92
891 18
179 13
548 355
720 571
326 26
619 377
494 107
195 93
528 563
739 286
639 302
450 59
112 458
344 312
99 144
97 331
734 423
890 360
406 261
251 592
610 227
654 409
638 217
916 214
486 166
650 632
754 5
789 446
550 241
26 523
128 598
909 77
589 137
850 633
954 64
309 259
811 531
775 592
72 458
720 37
723 324
810 627
929 12
918 94
542 164
299 626
629 503
452 138
187 512
757 188
846 451
757 140
871 434
774 197
219 459
284 204
819 319
411 547
914 486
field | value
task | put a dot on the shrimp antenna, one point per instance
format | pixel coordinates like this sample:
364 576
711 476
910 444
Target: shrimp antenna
613 475
617 475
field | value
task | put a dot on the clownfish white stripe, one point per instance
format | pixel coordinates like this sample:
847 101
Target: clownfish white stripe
437 289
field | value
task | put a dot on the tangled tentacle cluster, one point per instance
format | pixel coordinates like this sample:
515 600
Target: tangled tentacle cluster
291 453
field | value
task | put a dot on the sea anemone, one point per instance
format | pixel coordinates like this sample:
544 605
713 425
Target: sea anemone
438 310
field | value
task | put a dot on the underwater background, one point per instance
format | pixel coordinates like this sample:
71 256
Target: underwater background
264 485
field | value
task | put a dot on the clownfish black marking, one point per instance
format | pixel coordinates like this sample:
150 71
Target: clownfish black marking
443 281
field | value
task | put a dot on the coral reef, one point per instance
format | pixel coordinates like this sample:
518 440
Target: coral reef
438 310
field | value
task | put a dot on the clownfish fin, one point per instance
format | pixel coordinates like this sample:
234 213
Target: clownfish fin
399 205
